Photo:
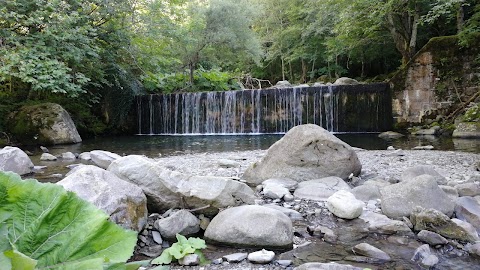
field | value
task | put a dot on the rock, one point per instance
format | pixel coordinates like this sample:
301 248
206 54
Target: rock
228 163
425 256
326 266
467 130
431 131
343 204
435 221
305 152
292 214
283 84
13 159
411 173
273 191
251 226
388 135
103 159
46 124
431 238
69 156
424 147
189 260
379 223
468 189
370 251
450 191
320 189
284 263
474 249
345 81
289 184
468 209
157 237
124 202
47 157
366 192
400 199
44 149
167 189
261 257
85 156
235 258
471 231
151 251
182 222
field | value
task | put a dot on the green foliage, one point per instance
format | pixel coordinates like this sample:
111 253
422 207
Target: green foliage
204 80
473 113
180 249
42 226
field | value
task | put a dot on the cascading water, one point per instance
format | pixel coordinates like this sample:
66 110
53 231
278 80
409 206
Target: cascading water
345 108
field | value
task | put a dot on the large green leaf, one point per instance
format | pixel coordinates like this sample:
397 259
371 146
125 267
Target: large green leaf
56 228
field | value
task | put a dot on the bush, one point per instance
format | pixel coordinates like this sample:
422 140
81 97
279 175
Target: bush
472 114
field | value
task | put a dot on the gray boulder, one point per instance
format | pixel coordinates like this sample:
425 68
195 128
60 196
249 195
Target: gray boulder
378 223
284 182
435 221
424 256
261 257
283 84
320 189
182 222
343 204
68 156
468 209
427 132
305 152
387 135
167 189
124 202
366 192
370 251
292 214
274 191
48 157
431 238
401 199
13 159
468 189
251 226
467 130
45 124
411 173
103 159
346 81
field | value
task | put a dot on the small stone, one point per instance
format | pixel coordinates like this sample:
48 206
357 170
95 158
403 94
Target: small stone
44 149
288 197
263 256
157 237
284 263
68 156
343 204
390 148
152 251
189 260
370 251
425 147
217 261
47 157
143 239
431 238
235 257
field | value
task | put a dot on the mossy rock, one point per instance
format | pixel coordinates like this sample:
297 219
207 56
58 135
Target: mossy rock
467 130
45 124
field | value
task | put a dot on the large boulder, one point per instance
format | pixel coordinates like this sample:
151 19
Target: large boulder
103 159
251 226
468 209
413 172
182 222
305 152
167 189
467 130
346 81
124 202
435 221
13 159
400 199
320 189
46 124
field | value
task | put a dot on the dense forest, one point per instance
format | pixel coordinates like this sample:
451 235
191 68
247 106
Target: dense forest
93 56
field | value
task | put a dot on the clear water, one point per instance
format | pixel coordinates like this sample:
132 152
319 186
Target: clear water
152 146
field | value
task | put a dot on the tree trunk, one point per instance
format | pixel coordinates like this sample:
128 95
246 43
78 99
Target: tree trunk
460 17
303 79
283 69
412 48
191 67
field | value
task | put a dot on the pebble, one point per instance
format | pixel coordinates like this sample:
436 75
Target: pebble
235 258
262 257
157 237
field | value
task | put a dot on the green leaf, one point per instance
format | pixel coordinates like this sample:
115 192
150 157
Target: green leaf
164 258
57 228
182 240
19 260
197 243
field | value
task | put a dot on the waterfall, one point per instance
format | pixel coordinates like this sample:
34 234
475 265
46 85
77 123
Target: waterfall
345 108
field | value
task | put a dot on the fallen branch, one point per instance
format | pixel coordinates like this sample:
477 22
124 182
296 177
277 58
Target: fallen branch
453 114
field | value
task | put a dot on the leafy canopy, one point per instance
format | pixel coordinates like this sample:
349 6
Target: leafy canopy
42 226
